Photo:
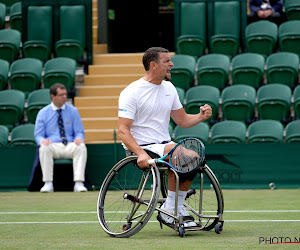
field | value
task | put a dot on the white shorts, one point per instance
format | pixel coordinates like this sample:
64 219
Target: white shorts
157 148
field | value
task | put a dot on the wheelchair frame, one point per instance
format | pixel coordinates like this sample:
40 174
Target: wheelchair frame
129 196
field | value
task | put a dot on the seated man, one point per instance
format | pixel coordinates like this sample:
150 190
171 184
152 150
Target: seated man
60 134
145 107
266 10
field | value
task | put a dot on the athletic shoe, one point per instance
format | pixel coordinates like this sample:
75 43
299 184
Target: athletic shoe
168 220
187 218
79 187
47 188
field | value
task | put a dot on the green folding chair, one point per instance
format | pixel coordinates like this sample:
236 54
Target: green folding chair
289 36
248 69
226 38
37 99
72 32
201 95
4 69
292 9
228 132
238 103
10 40
297 102
8 4
39 33
192 39
213 70
283 67
60 70
274 102
12 103
183 71
2 15
292 131
199 131
15 19
25 75
181 94
3 135
261 37
23 135
265 131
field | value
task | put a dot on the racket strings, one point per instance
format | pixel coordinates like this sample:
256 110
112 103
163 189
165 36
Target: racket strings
187 156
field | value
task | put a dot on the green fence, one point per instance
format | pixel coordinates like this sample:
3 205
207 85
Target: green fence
235 165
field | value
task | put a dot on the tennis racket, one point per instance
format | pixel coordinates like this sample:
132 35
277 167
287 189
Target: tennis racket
185 157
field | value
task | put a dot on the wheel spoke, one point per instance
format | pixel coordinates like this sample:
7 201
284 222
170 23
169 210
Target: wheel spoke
123 195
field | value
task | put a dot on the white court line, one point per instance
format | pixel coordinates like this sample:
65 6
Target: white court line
48 222
89 222
262 211
262 220
93 212
48 212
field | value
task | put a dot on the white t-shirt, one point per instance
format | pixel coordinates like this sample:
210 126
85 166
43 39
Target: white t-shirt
149 106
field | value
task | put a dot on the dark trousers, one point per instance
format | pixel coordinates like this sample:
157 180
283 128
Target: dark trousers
276 18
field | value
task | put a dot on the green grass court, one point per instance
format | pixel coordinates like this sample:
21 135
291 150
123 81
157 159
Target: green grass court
67 220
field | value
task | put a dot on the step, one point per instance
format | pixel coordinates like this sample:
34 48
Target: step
95 101
117 79
95 20
95 12
94 135
95 38
105 90
96 112
100 123
109 69
95 3
104 142
95 30
100 48
120 58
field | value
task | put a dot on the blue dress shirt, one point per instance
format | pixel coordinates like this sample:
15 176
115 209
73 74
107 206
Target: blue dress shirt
46 125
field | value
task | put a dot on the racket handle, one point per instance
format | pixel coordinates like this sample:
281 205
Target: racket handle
152 162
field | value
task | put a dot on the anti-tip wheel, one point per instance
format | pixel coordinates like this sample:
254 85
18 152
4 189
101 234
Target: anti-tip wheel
181 231
218 228
126 227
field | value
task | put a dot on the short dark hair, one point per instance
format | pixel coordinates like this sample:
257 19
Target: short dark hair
54 87
152 54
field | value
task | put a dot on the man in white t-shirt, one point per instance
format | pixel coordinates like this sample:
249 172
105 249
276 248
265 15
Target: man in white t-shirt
145 108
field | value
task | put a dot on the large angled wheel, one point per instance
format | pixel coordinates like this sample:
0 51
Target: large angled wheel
205 200
127 198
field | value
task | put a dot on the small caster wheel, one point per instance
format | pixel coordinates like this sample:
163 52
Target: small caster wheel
181 231
218 228
126 227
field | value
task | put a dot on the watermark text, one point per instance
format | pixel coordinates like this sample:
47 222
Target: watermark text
278 240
